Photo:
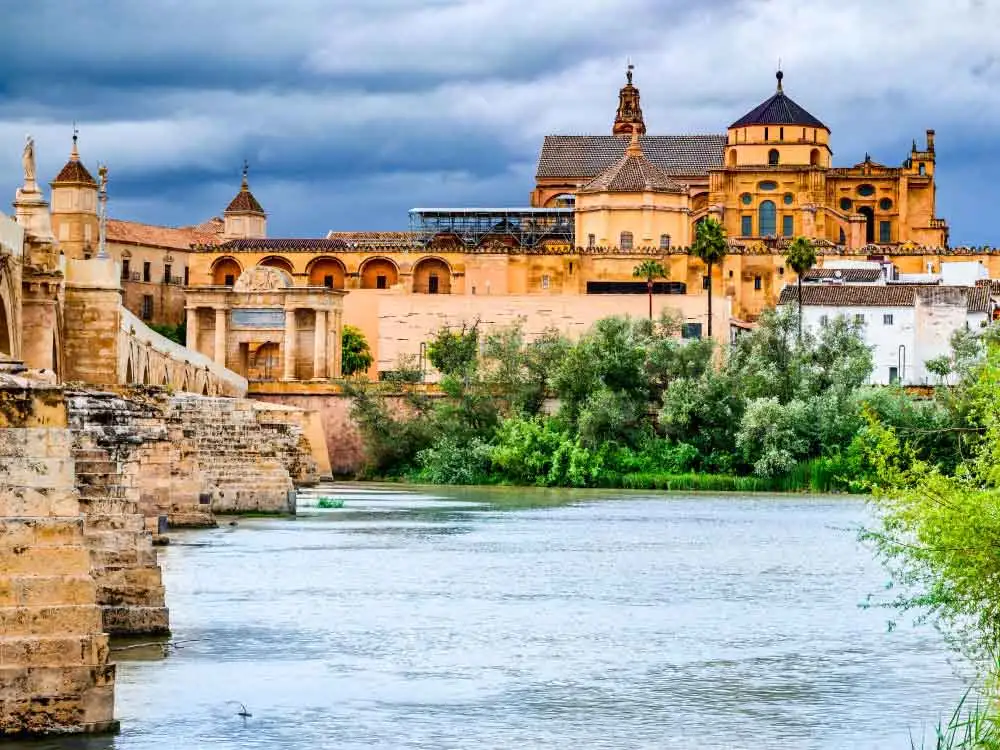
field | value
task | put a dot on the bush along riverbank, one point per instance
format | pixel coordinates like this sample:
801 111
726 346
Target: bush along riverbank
937 530
632 405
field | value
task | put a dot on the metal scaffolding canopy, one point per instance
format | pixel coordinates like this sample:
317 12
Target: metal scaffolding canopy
528 226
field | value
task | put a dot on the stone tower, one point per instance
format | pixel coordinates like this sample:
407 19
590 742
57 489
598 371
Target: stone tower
245 218
628 118
74 208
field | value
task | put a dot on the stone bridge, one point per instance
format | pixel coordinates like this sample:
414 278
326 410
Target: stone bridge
147 358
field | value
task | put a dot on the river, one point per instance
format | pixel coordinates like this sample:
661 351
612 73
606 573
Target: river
533 619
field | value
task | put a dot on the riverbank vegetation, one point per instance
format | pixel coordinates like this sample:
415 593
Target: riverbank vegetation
936 494
632 405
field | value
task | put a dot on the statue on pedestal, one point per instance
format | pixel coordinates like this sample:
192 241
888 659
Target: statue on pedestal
28 162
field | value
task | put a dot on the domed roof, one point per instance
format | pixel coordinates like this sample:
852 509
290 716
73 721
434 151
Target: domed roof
244 202
74 172
778 110
633 173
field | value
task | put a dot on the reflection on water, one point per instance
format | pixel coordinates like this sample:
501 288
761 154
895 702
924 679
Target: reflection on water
445 620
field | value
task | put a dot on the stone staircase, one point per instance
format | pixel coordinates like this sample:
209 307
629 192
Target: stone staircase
123 559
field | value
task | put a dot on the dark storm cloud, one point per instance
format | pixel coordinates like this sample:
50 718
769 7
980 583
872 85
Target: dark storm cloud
353 112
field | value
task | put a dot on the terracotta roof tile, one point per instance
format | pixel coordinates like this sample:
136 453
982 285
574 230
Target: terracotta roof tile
375 239
980 299
846 295
215 225
849 275
633 173
583 157
175 238
75 172
283 244
244 202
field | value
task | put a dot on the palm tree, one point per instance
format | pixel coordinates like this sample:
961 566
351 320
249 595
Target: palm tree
801 257
649 270
710 245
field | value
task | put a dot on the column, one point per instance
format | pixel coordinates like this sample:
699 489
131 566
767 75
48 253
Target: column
319 346
192 329
288 353
333 347
220 336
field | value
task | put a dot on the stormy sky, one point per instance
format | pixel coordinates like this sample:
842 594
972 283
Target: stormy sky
351 112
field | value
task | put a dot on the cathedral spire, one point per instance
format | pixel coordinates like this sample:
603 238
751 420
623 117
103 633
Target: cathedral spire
628 118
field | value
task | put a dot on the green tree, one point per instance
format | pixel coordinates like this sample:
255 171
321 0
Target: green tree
940 366
711 247
454 352
801 257
649 270
355 356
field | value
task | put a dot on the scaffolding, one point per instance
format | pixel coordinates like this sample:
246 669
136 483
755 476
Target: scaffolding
527 226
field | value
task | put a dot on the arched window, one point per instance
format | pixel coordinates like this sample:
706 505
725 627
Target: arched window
732 157
625 242
664 242
922 169
772 157
814 157
766 219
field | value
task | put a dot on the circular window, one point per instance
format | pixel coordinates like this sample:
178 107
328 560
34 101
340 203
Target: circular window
767 185
866 190
788 199
885 204
845 204
746 198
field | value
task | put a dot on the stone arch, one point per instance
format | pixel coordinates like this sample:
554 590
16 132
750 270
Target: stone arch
773 157
814 157
277 261
431 275
225 271
378 273
327 271
6 328
732 157
561 200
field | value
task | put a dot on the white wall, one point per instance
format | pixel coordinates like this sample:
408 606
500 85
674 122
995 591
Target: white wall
11 236
962 273
885 338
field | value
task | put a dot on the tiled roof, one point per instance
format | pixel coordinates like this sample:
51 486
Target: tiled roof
778 110
980 299
586 156
849 275
74 171
176 238
375 239
244 202
278 244
215 225
849 296
633 173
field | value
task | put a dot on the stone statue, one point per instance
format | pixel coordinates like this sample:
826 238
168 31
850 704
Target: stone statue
28 162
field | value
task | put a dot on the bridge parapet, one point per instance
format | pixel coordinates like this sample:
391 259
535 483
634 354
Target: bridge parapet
147 358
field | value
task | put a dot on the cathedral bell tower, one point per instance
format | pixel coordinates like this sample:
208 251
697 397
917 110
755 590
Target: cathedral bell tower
628 118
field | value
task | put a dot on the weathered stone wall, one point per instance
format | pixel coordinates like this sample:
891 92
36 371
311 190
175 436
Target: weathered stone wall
92 309
250 457
106 430
54 671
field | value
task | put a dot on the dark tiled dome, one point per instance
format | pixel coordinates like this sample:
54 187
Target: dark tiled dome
778 110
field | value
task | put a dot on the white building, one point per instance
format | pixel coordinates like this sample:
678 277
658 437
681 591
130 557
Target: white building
905 324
